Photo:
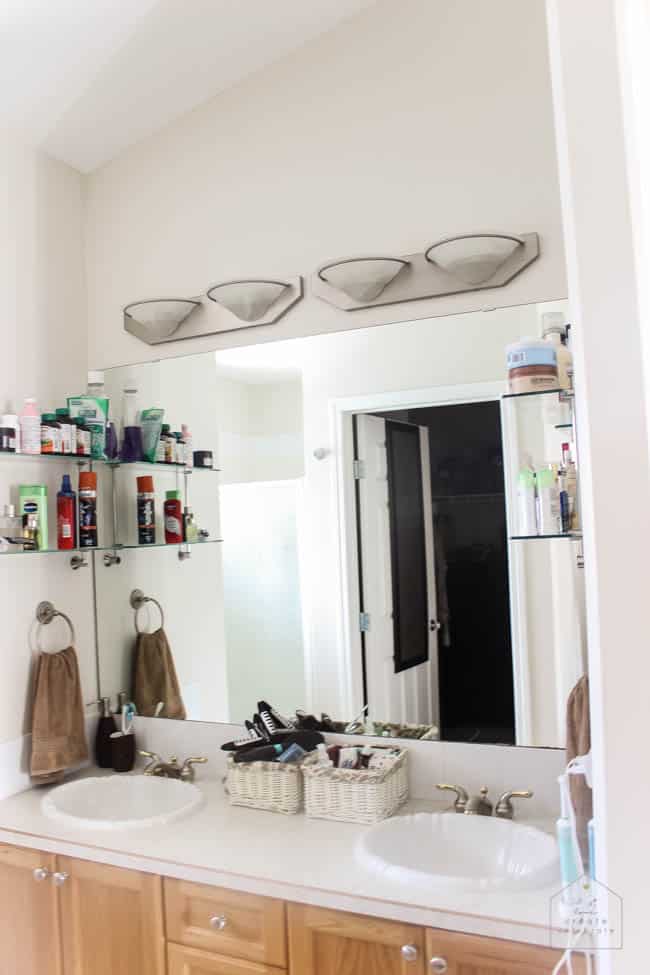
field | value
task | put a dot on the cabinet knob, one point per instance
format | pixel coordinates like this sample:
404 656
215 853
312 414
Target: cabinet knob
218 922
409 952
59 878
41 874
438 965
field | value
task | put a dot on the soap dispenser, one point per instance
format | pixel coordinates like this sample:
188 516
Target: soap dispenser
105 728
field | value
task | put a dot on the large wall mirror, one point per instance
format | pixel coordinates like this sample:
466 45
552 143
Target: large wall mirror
364 552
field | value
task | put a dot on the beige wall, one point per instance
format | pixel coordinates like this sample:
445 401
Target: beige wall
44 354
411 121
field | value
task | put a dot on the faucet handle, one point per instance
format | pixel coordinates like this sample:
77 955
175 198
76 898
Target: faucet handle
187 771
504 808
461 795
154 759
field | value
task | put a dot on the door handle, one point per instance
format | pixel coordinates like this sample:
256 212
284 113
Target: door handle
434 625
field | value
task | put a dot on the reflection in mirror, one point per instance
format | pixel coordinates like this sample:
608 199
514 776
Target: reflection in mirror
372 564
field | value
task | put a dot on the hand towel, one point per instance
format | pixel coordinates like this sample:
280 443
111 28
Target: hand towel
58 719
578 742
154 677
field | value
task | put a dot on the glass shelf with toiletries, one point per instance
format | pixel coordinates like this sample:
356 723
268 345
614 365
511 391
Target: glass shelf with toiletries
575 535
79 461
19 550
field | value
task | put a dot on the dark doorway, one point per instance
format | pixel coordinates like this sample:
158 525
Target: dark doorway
469 513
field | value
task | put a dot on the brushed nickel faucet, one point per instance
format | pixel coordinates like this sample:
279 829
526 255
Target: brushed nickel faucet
171 769
480 805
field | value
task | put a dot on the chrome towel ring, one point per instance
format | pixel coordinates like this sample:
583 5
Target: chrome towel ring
45 613
137 601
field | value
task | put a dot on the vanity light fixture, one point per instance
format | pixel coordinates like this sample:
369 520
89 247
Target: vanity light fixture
362 278
158 319
474 258
453 265
257 301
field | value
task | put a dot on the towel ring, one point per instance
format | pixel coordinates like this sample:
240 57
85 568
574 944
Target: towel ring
45 613
138 600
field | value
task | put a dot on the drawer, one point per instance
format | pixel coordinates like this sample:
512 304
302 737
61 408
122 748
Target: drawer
192 961
226 922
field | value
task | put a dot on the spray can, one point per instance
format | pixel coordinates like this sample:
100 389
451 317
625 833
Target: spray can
146 511
88 509
66 515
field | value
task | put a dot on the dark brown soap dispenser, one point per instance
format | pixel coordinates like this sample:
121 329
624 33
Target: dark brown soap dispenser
105 728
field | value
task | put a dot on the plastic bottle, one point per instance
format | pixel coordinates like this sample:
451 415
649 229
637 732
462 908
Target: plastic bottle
146 511
549 517
571 484
68 431
33 508
132 447
66 515
554 332
87 509
526 501
11 422
50 434
161 449
30 427
173 518
188 446
83 437
532 366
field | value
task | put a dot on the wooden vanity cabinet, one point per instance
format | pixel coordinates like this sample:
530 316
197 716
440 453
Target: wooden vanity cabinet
29 913
111 920
468 954
325 942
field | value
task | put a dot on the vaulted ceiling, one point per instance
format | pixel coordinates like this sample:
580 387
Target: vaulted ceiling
84 79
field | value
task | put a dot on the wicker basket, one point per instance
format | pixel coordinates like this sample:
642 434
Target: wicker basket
355 795
274 786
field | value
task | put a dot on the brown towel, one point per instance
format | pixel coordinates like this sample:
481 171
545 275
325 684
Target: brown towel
58 720
578 742
154 677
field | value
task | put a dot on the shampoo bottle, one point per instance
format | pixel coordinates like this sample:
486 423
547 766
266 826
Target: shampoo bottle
105 728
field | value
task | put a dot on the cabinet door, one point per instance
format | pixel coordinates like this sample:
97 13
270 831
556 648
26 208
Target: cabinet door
226 922
466 954
191 961
323 942
29 922
111 920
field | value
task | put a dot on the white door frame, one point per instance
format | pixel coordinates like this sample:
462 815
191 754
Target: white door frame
341 412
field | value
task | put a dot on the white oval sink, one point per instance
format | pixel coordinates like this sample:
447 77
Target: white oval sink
121 801
463 852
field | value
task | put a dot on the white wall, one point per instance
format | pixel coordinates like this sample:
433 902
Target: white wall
44 353
409 122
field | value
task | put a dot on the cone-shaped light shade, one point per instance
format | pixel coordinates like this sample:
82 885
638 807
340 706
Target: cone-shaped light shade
248 300
473 259
363 279
160 318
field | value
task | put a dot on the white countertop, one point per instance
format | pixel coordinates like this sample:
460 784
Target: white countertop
291 857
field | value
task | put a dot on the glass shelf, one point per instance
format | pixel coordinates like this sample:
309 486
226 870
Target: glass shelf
564 394
113 464
16 550
532 538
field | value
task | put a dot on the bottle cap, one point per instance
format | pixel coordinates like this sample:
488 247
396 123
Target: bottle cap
165 429
145 484
48 417
95 378
88 481
173 495
66 486
62 411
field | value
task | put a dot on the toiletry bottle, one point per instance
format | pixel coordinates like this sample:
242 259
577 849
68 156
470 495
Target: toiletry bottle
132 449
30 427
161 449
11 422
68 431
188 446
554 332
50 434
173 518
33 504
105 728
548 502
190 527
83 437
571 485
146 511
88 509
66 516
526 501
570 865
